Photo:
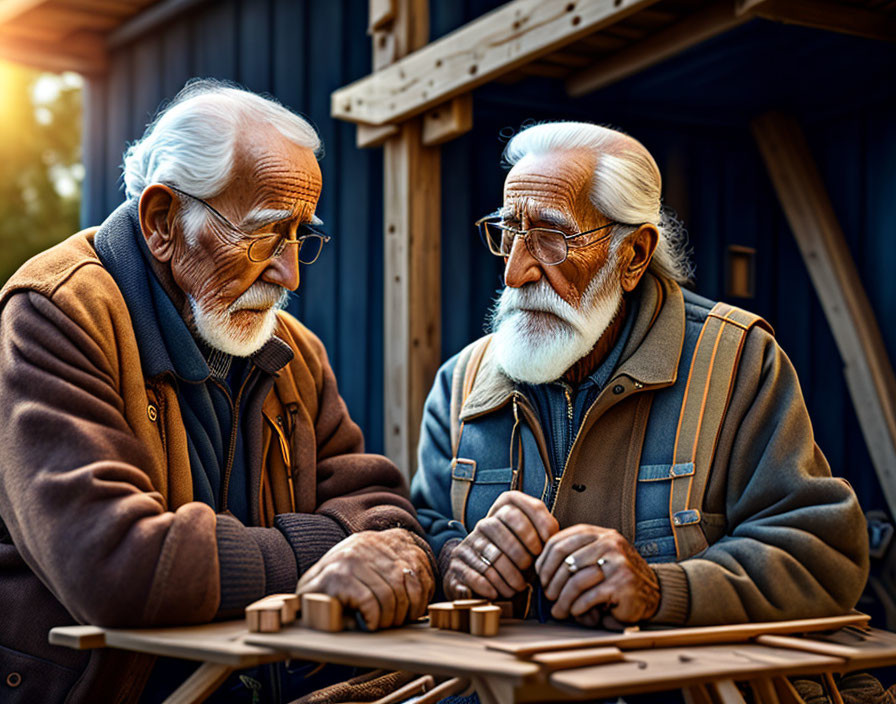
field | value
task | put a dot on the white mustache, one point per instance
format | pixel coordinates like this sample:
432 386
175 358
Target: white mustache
538 296
260 295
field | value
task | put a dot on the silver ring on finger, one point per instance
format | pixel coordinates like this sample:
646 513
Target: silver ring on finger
571 564
490 554
408 571
601 561
488 563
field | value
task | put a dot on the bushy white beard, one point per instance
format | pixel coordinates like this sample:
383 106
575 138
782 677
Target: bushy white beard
538 347
243 338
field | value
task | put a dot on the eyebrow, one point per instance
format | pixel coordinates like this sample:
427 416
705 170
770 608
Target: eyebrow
266 216
550 216
263 216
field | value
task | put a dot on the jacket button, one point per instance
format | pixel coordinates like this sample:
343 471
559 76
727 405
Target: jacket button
152 412
618 389
13 679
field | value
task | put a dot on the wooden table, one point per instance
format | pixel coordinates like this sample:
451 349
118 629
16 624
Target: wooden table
502 670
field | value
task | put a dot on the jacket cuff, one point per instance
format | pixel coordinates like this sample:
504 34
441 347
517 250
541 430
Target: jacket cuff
252 562
310 535
674 594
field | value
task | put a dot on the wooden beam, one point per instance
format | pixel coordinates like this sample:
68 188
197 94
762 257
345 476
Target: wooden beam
367 136
448 121
481 51
696 28
869 375
412 296
11 9
382 12
86 57
824 14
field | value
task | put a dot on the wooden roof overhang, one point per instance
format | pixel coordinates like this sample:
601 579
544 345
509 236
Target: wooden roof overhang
419 96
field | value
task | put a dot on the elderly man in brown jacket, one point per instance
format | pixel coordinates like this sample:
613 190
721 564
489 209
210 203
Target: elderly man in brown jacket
172 444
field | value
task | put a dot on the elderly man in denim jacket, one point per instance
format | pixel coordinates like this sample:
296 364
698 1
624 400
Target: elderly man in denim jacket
568 428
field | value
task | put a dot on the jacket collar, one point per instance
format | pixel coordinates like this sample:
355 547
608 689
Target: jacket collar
163 338
650 356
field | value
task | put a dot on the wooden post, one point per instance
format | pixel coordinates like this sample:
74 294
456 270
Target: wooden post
869 375
412 296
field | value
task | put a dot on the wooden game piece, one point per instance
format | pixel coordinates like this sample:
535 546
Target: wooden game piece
485 620
440 614
321 612
460 614
270 614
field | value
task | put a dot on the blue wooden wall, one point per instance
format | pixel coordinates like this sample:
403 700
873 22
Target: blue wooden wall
692 112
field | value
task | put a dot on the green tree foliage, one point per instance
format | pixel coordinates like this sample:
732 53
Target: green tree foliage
40 162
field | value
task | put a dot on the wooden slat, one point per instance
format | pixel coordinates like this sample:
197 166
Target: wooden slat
490 46
668 638
449 121
709 22
381 13
582 657
78 637
11 9
56 57
823 14
412 262
869 375
207 678
367 136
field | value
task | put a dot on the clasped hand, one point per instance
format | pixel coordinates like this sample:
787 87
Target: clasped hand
385 575
589 572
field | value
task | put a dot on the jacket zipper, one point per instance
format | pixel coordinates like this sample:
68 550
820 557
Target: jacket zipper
234 426
537 431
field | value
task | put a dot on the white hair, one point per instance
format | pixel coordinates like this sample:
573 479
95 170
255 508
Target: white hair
626 185
191 142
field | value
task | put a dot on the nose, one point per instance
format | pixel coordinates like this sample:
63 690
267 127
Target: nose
284 270
521 267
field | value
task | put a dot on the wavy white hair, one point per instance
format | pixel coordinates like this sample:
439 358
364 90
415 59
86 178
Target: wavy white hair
626 185
191 142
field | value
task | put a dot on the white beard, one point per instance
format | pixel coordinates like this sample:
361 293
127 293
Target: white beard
538 335
257 308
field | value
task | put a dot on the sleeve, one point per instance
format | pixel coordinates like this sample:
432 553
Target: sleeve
74 491
795 543
431 486
356 491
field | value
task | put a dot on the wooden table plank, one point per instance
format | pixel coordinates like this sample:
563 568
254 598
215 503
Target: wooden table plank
416 648
673 668
669 637
860 648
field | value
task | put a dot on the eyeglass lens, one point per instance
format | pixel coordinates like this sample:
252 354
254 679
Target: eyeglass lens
547 246
264 248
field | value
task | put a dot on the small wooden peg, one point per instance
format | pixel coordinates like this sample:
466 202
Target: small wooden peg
485 620
321 612
460 615
440 614
270 614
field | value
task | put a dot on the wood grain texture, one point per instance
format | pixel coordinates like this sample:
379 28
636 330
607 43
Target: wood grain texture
869 374
481 51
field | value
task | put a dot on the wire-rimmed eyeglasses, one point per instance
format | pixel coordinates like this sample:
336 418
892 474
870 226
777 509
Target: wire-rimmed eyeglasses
270 245
550 247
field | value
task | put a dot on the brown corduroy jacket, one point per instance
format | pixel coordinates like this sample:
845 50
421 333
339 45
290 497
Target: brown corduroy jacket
99 524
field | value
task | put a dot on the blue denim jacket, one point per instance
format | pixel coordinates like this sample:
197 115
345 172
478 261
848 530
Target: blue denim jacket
777 523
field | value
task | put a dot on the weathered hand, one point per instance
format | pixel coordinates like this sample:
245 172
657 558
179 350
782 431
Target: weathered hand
623 585
385 575
490 561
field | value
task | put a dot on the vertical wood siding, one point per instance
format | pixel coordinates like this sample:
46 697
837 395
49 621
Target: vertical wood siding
692 113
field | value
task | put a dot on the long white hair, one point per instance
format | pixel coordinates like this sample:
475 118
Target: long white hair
626 185
191 142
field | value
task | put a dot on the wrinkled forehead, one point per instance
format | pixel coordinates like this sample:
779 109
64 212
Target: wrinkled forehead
555 180
276 174
287 180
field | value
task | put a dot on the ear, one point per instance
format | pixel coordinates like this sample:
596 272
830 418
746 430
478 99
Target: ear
636 254
156 217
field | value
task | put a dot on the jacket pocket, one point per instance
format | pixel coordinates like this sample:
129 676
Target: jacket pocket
25 679
488 485
653 528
